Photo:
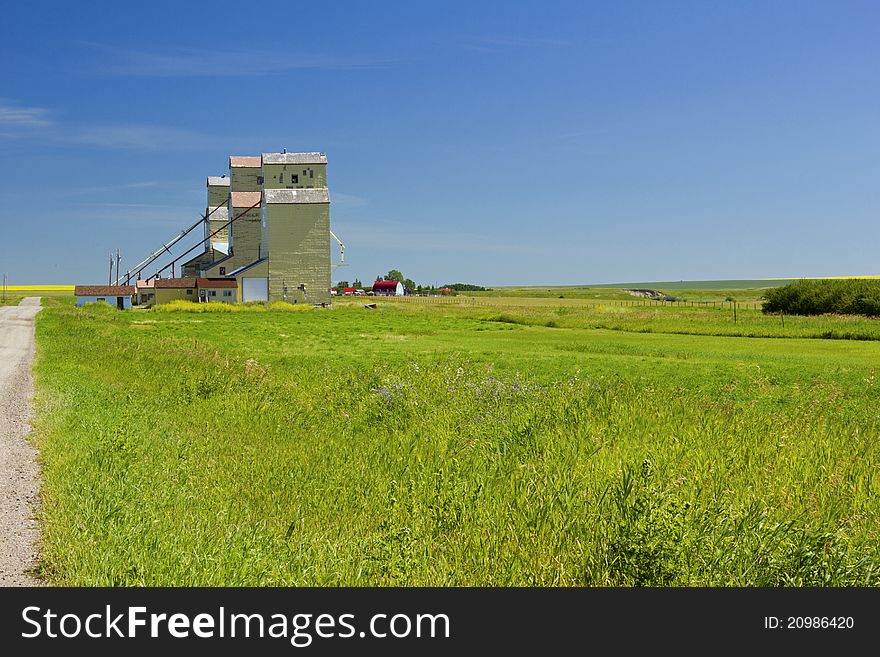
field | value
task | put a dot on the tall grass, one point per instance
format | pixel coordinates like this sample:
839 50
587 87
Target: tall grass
175 456
721 320
181 305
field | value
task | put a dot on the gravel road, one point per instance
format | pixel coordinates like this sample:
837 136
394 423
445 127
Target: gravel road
19 533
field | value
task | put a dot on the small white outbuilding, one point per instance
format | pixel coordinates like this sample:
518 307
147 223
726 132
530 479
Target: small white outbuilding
113 295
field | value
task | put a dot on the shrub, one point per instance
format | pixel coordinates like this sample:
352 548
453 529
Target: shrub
852 296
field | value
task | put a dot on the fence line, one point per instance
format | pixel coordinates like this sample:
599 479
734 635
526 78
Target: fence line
478 302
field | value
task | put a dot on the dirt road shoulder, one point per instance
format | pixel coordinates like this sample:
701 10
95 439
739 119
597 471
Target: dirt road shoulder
19 473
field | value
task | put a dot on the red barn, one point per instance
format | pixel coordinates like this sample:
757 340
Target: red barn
388 288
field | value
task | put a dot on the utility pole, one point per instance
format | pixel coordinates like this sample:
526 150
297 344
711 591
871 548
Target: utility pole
117 266
4 289
110 277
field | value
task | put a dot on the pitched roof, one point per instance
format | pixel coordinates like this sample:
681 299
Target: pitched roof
206 252
245 161
218 261
103 290
218 181
175 283
217 282
386 285
246 267
218 213
246 199
297 196
294 158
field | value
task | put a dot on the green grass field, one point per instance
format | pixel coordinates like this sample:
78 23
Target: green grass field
15 293
475 442
687 291
748 291
742 319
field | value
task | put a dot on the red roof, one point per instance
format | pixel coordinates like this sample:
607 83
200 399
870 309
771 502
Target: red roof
217 282
245 161
175 283
348 289
385 285
103 290
246 199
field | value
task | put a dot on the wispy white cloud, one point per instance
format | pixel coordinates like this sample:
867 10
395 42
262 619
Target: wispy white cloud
164 217
109 189
138 206
133 136
348 200
15 118
34 124
12 114
197 62
495 42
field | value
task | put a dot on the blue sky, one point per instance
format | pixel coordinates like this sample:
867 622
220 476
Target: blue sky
496 143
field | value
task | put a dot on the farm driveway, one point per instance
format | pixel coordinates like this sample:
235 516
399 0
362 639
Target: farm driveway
18 468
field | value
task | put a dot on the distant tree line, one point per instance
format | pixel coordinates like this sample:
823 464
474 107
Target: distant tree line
412 287
852 296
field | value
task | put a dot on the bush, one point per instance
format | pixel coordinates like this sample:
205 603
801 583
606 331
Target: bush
852 296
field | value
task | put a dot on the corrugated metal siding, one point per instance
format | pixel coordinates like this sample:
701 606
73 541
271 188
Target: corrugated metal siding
294 176
193 267
245 238
218 208
217 196
299 251
219 217
245 179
